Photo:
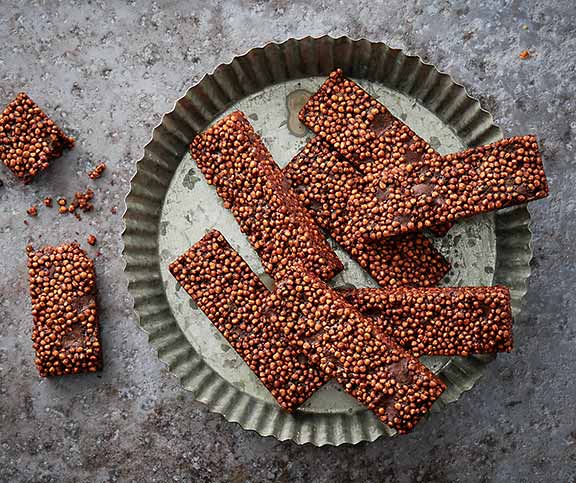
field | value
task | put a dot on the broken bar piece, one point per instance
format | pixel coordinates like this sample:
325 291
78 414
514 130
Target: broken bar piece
344 344
456 321
324 181
231 295
363 130
440 189
66 335
29 139
234 159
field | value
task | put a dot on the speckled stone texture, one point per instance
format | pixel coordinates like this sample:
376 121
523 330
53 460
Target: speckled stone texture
105 72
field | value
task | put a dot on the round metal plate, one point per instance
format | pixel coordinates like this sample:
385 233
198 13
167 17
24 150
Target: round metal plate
170 207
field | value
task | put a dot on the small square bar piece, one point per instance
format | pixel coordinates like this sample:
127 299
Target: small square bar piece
344 344
29 139
234 159
66 335
325 181
232 296
452 321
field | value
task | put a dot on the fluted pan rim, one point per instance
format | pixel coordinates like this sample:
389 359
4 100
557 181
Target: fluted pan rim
272 63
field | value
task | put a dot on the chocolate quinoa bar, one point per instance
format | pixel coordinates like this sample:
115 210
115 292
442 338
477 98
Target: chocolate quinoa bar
363 130
324 182
234 159
359 127
344 344
440 189
231 295
440 321
29 139
66 331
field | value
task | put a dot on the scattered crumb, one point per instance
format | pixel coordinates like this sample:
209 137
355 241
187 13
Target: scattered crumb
524 54
98 253
82 200
91 240
113 210
48 202
32 211
1 183
97 171
26 222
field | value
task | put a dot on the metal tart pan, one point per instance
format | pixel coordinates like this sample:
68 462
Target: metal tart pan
170 207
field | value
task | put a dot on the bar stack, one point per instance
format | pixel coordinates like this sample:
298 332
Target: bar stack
373 185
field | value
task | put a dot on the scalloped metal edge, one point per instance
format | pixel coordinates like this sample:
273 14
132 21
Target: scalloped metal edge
168 144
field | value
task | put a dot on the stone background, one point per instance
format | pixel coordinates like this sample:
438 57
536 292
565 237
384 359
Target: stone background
106 71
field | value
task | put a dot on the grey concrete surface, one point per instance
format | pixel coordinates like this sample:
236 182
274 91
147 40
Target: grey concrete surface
107 71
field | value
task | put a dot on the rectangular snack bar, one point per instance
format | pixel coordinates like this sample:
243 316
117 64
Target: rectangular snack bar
344 344
324 182
231 295
456 321
66 335
29 139
234 159
363 130
435 190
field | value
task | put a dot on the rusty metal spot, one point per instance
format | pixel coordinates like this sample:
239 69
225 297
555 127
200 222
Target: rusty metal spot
294 102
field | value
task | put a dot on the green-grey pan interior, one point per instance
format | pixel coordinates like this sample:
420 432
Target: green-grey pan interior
170 207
